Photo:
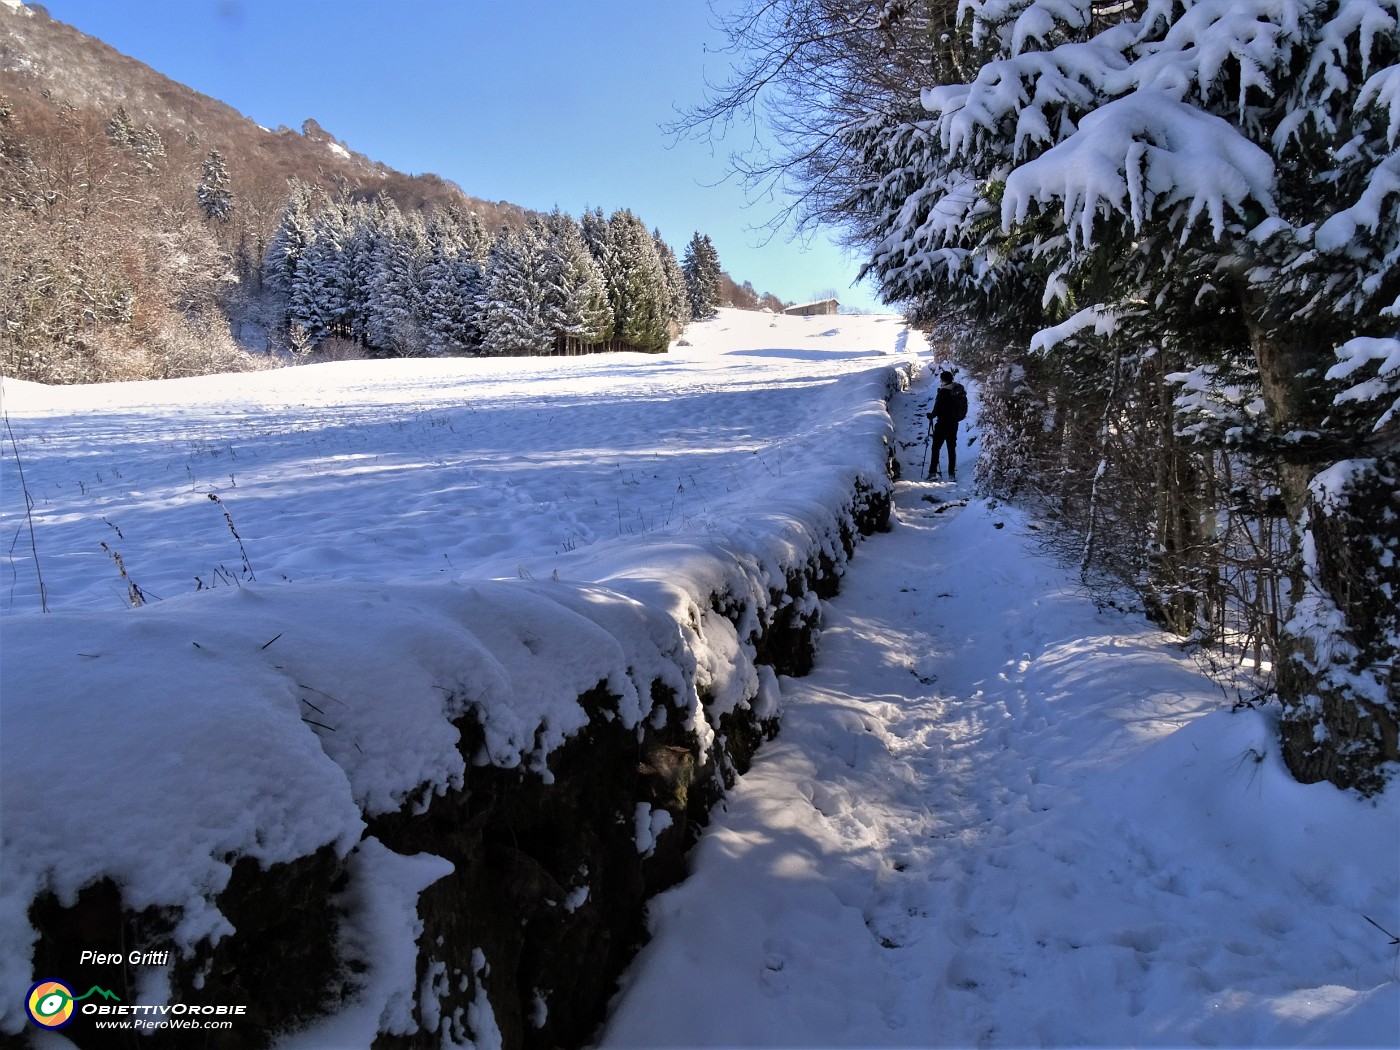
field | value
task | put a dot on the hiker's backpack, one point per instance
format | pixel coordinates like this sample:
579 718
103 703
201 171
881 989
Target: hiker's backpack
958 398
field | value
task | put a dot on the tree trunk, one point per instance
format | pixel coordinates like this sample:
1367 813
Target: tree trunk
1105 430
1291 400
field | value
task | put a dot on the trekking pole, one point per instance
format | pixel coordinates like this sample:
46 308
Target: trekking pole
928 443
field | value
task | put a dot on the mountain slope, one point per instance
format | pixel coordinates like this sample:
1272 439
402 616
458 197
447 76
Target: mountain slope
113 264
44 62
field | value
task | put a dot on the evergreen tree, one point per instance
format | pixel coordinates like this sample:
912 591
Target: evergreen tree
594 227
575 296
213 193
511 314
636 286
702 274
321 296
440 310
146 144
121 133
678 309
294 232
474 240
441 233
367 222
471 276
394 325
453 282
149 147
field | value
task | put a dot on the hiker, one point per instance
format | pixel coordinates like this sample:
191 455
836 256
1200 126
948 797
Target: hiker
949 409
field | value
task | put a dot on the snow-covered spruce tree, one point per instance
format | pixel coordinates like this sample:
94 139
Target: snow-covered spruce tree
294 232
368 222
121 133
321 300
512 322
594 228
1138 166
212 191
575 305
636 286
149 148
394 325
452 280
678 308
702 270
356 255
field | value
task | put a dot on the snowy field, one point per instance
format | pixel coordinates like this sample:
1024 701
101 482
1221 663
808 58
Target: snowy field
995 815
422 468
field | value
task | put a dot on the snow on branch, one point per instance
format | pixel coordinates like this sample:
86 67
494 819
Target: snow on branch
952 202
1369 212
1102 320
1136 154
1342 54
1357 354
954 208
1383 89
1041 19
1018 23
1032 87
1211 402
1364 20
1246 36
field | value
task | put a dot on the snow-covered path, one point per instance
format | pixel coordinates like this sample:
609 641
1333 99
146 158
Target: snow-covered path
996 816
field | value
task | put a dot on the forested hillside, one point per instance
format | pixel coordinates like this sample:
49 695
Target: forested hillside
1166 236
148 231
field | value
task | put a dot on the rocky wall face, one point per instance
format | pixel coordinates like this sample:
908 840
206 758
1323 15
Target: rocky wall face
281 963
552 861
547 880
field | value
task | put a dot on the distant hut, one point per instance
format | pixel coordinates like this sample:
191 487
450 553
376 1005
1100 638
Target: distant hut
817 309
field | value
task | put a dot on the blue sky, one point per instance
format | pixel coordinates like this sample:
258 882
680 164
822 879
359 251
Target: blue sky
540 102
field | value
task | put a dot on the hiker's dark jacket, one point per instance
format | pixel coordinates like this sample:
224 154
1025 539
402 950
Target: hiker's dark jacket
946 406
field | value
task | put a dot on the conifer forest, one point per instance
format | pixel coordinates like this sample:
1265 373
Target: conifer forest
135 252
